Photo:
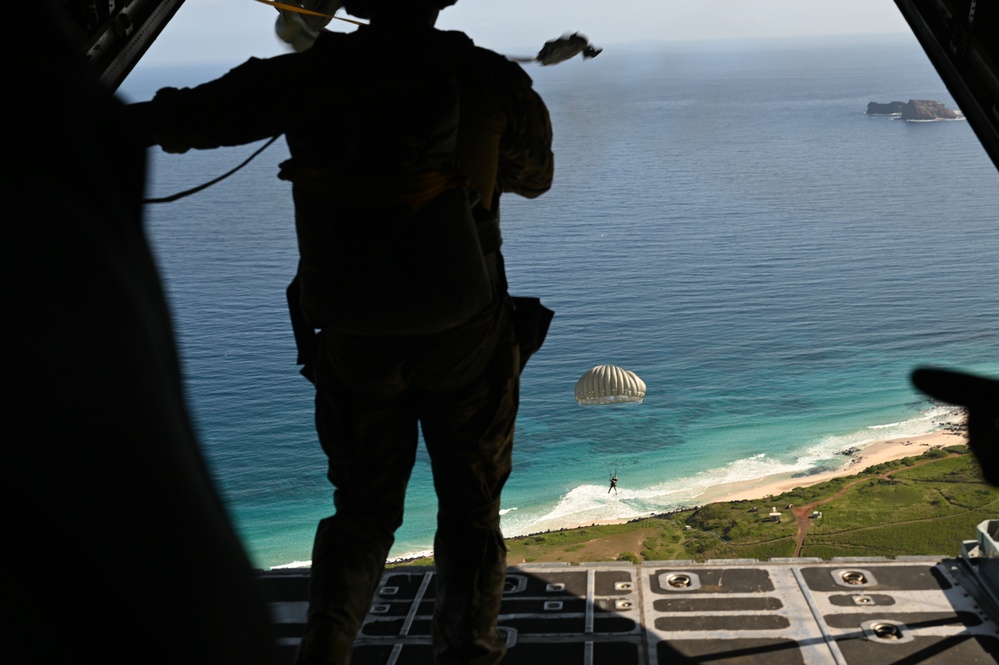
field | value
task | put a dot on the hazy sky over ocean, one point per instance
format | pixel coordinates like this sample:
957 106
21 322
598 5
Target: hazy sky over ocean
232 30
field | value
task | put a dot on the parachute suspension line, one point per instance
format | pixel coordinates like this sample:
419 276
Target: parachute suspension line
195 190
613 481
309 12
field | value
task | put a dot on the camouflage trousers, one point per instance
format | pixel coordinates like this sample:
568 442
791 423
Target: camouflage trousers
461 387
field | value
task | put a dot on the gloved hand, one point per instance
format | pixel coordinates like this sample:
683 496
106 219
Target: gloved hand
980 396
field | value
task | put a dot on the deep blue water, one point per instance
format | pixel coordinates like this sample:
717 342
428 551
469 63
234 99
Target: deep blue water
726 221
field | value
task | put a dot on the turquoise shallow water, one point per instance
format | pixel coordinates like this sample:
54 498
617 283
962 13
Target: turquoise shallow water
726 221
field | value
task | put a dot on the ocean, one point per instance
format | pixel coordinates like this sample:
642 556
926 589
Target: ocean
726 221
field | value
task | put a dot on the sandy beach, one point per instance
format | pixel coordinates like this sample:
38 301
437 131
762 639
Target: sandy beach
952 432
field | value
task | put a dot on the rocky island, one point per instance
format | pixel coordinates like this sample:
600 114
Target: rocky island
914 109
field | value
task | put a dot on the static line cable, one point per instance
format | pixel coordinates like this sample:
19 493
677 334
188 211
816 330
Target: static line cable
195 190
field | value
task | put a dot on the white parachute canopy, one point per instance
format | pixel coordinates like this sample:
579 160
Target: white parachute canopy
609 384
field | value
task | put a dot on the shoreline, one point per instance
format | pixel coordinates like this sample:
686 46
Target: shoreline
952 431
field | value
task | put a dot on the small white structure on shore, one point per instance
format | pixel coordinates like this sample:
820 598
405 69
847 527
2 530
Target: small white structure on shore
774 515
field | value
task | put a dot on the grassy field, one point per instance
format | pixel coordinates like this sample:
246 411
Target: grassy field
917 505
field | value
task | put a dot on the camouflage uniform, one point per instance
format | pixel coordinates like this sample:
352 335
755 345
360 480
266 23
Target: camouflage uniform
460 385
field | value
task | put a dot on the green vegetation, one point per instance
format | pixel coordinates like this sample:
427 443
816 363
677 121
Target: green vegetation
925 509
575 545
918 505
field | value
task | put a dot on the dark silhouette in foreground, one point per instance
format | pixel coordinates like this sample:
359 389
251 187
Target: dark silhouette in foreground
397 214
980 396
112 524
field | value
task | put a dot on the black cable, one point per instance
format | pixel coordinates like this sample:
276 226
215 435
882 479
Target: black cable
195 190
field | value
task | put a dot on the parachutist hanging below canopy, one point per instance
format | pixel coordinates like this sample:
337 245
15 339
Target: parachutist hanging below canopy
566 47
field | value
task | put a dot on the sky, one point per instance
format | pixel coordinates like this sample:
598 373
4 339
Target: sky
233 30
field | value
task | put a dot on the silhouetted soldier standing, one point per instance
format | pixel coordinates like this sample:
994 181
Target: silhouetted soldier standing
417 328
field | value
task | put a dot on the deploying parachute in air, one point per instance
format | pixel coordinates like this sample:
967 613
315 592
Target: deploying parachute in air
609 384
565 48
300 22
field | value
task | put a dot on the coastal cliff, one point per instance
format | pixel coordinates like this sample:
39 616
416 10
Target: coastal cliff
914 109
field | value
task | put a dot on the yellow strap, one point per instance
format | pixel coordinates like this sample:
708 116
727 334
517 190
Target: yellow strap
303 10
